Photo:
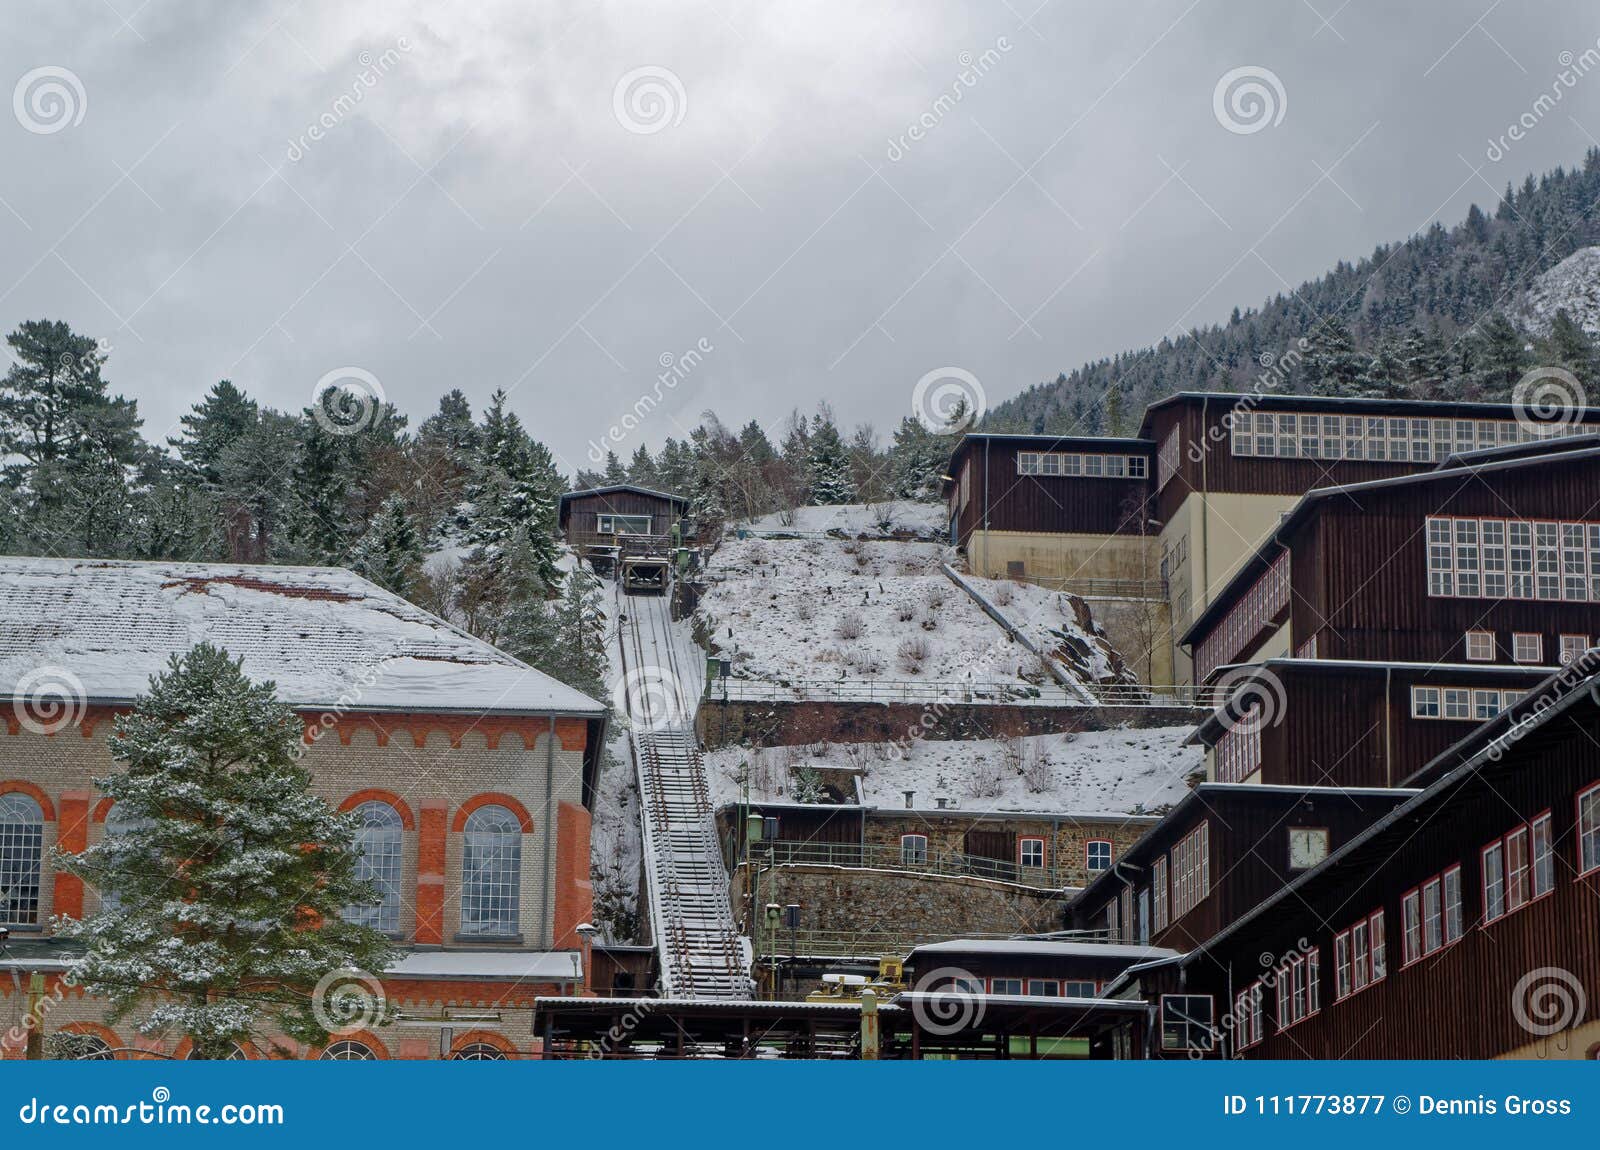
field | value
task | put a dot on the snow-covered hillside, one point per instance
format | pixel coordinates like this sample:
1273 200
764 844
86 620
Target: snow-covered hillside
895 518
1093 772
830 609
1573 284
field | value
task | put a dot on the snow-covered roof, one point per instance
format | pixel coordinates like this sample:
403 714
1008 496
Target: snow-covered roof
569 496
322 634
531 965
1044 948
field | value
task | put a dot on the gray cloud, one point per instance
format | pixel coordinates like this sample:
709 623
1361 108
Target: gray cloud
480 218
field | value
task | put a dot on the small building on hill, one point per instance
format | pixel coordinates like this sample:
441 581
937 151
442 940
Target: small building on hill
623 515
473 775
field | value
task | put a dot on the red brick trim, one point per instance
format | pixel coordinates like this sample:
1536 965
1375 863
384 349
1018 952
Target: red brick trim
22 786
488 1038
573 733
102 809
492 798
375 794
72 836
430 872
574 889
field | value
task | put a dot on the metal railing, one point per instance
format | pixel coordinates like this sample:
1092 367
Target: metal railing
632 544
853 944
954 691
1104 588
952 863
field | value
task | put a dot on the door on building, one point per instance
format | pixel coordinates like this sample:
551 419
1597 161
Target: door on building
992 854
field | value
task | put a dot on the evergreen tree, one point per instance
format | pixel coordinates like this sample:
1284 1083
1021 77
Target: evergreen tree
213 425
615 473
642 469
1332 366
1422 362
1501 357
231 878
917 459
391 553
514 491
565 638
1570 347
1385 376
828 465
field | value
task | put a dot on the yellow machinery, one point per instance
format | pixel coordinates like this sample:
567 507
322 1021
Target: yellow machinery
890 981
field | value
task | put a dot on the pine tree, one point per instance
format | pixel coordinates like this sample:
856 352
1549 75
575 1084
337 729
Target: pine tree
1422 362
565 638
615 473
828 465
390 553
642 469
1385 377
917 461
212 425
514 491
231 876
1501 357
1570 347
1332 366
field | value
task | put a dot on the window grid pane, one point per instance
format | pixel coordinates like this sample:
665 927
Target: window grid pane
21 855
491 878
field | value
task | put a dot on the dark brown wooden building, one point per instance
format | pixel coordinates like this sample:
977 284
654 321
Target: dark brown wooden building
1464 923
606 519
1217 854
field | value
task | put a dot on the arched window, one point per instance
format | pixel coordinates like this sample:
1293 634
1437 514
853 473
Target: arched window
348 1050
491 872
21 855
478 1052
119 821
237 1054
381 854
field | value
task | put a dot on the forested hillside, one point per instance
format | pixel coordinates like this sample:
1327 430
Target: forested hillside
1444 314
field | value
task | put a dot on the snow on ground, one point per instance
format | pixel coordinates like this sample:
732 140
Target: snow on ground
1126 771
831 609
615 842
874 520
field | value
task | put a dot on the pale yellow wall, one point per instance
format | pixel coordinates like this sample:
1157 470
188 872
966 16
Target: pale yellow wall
1221 531
1064 556
1568 1044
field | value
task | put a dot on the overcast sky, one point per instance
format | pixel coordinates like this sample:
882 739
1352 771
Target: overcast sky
557 197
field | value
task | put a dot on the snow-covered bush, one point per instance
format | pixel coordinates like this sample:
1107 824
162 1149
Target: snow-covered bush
851 626
912 653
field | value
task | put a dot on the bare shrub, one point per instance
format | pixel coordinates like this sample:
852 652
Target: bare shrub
757 553
986 778
850 547
906 613
1036 774
937 598
1004 594
851 626
804 611
912 653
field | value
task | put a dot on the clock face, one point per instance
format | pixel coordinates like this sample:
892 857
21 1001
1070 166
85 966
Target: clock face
1307 847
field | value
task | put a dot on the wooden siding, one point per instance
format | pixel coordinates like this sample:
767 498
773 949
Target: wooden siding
583 512
1459 1002
1003 500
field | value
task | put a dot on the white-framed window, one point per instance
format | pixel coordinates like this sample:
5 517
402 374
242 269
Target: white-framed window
1573 647
1186 1022
624 525
1114 920
1513 558
1043 988
1544 856
21 858
1266 600
1432 915
348 1050
1070 464
1494 881
1191 870
1158 892
1005 986
491 873
1480 646
1299 988
1030 852
1474 703
913 850
1430 918
1097 855
379 843
1079 989
1527 647
1249 1023
1410 927
1589 830
1302 435
1238 752
1451 885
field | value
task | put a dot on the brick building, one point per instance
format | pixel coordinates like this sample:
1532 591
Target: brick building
473 773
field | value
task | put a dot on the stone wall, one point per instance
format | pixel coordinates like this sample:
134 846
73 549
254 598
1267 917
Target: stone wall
1066 837
793 724
904 903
